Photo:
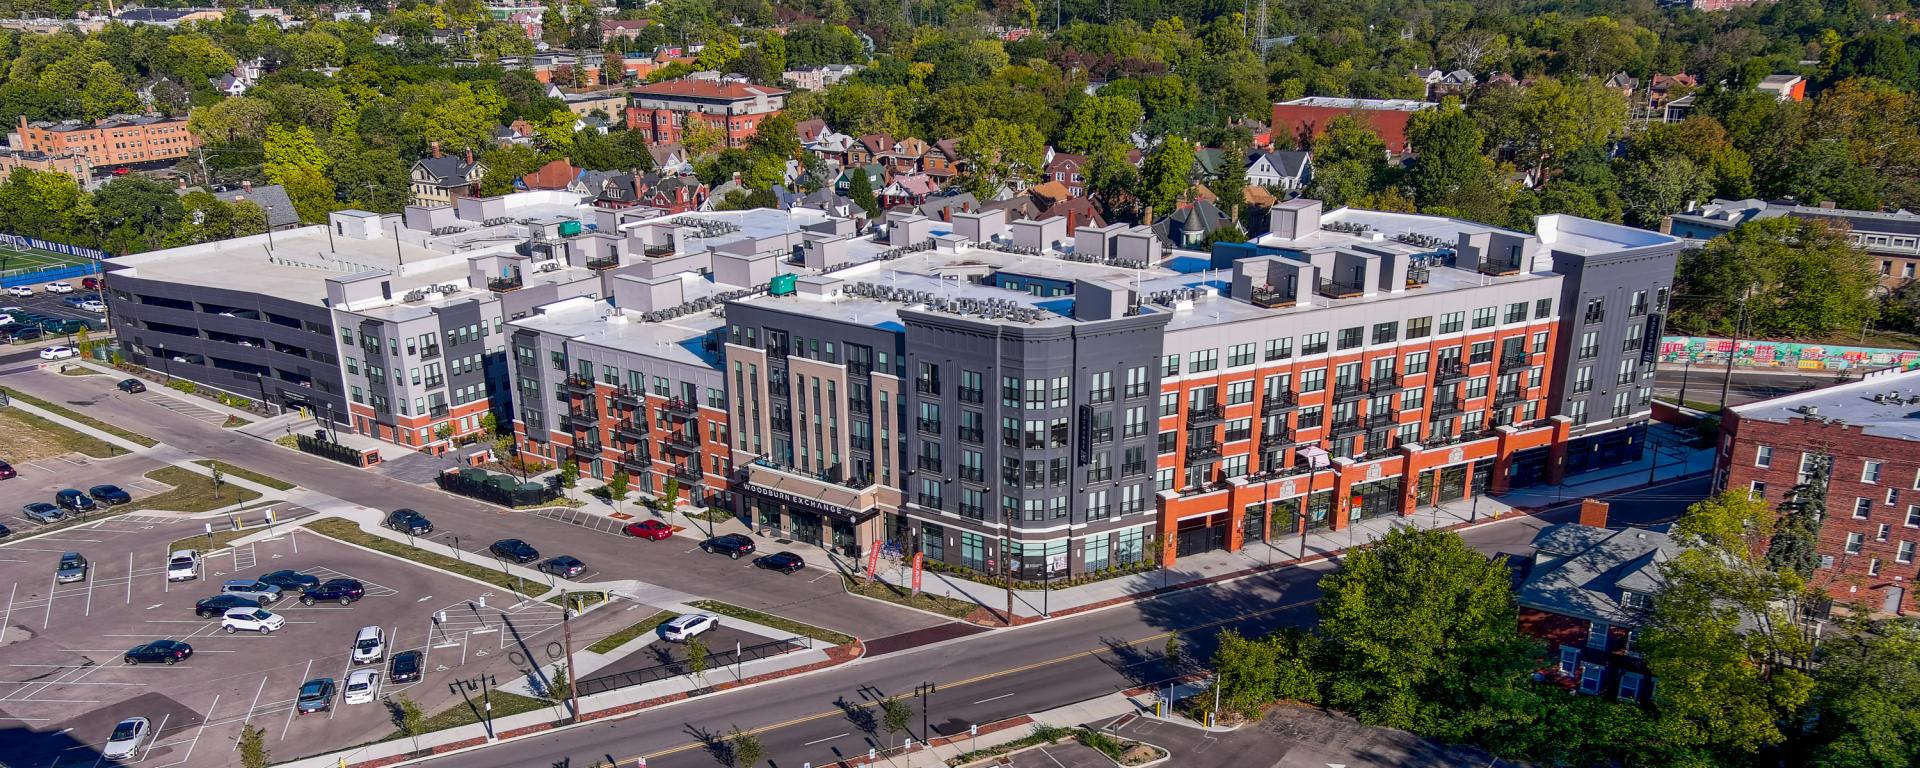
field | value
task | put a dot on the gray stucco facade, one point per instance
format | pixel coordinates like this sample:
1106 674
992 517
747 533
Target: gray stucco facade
1613 308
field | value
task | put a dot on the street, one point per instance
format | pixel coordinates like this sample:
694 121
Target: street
1702 383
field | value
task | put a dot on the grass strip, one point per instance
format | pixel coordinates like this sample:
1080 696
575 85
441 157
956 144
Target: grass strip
345 530
129 436
56 437
461 713
582 599
191 492
610 642
776 622
246 474
1042 734
879 589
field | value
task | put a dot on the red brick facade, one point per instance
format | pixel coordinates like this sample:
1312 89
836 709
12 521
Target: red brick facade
1615 656
640 433
1872 524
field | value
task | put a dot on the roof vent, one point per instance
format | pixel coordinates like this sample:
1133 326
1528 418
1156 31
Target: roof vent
1810 411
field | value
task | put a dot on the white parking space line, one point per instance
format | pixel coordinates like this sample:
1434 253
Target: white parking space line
129 578
162 728
204 721
89 611
7 620
296 705
255 705
48 620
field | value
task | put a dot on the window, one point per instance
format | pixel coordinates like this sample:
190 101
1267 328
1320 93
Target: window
1638 306
1590 676
1880 534
1416 363
1453 322
1905 555
1170 365
1516 312
1913 516
1635 599
1629 686
1240 392
1201 361
1854 540
1313 343
1166 441
1763 456
1870 472
1873 567
1569 660
1542 308
1861 508
1484 317
1597 634
1419 327
1279 349
1137 381
1351 337
1758 491
1596 311
1239 355
1385 332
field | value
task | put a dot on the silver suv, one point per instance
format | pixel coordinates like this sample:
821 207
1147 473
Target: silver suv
253 590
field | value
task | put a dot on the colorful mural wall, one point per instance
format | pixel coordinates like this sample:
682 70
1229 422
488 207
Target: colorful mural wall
1783 354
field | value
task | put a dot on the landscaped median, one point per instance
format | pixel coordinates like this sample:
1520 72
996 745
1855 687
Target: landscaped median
246 474
349 532
633 632
30 437
191 492
132 437
880 589
775 622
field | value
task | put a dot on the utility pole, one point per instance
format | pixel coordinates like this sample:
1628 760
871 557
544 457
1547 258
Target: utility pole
573 676
923 691
1733 347
1006 565
1260 30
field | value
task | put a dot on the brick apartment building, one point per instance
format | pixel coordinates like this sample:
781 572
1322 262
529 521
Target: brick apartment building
1891 238
1862 441
660 111
72 164
112 141
1299 121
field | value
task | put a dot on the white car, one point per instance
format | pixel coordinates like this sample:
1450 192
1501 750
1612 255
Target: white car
183 565
6 318
127 738
94 305
258 620
362 686
19 290
369 646
59 286
58 353
683 628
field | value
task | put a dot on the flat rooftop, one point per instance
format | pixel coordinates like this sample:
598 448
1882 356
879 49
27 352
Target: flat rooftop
1885 404
1383 105
593 321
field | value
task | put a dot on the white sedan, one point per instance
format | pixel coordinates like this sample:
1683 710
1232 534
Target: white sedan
58 353
253 620
127 738
94 306
59 286
362 686
19 290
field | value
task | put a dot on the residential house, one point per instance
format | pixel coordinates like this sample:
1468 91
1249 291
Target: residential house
905 155
1070 170
869 148
942 207
1624 83
559 174
943 161
906 189
818 78
1664 88
1784 87
272 199
517 134
438 179
1207 164
1439 83
876 177
809 130
1587 593
670 158
832 146
594 123
1191 225
608 103
1288 170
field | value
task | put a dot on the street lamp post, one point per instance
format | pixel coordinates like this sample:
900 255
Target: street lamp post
269 211
923 691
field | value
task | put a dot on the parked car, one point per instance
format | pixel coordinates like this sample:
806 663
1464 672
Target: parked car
42 512
73 567
6 319
58 353
5 531
127 738
252 589
362 686
258 620
72 500
92 284
183 565
59 286
132 386
159 652
732 545
6 471
370 646
649 529
784 562
343 591
218 605
405 667
315 696
19 290
94 305
291 581
409 521
109 494
564 566
516 550
23 333
122 171
683 628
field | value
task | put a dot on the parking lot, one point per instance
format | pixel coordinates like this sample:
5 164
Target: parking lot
52 305
63 683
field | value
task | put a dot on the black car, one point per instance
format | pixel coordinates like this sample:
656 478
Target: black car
23 333
784 562
291 581
404 667
218 605
159 652
132 386
732 545
564 566
409 521
74 501
515 550
109 495
5 531
344 591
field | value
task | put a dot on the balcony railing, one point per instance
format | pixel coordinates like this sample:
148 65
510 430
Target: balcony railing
1499 267
1508 397
1133 469
587 448
603 262
1450 370
1383 383
434 381
437 412
681 444
1103 435
1203 452
972 435
580 384
777 351
680 409
430 352
861 407
1349 425
581 418
1444 407
1338 289
1512 359
781 425
972 395
1275 437
636 460
504 284
1349 390
1277 402
629 397
1210 413
685 472
1270 297
973 474
635 429
927 426
926 386
930 463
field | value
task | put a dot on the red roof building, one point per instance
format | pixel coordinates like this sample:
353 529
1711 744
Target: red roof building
1299 121
660 110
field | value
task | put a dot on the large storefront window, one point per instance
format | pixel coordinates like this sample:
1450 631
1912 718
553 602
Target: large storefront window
1253 527
1283 517
933 541
1320 510
1097 557
973 551
1376 499
1131 546
1482 476
769 514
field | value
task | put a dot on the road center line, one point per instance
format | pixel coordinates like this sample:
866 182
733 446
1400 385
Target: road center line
823 741
996 698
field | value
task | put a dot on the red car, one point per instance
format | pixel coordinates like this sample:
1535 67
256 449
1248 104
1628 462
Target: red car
6 472
649 529
122 171
91 283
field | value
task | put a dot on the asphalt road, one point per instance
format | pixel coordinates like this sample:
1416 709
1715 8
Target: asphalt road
1703 383
828 716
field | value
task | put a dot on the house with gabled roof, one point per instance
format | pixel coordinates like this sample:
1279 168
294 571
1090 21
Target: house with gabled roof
1287 170
439 178
1586 593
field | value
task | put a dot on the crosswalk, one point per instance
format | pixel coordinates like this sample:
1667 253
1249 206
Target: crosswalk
186 409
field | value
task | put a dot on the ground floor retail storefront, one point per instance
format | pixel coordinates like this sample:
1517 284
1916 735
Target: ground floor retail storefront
789 505
1032 556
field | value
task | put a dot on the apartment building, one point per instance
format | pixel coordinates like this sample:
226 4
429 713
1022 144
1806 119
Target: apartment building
390 325
1296 123
660 111
1893 239
110 141
72 164
1859 445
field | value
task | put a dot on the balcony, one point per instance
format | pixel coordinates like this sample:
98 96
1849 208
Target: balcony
603 262
1351 425
860 407
629 397
581 418
634 430
504 284
1269 297
1446 407
973 474
437 412
680 444
973 395
434 381
1510 360
1346 391
927 426
1279 402
1418 275
1203 452
1449 370
586 449
1508 397
972 435
1336 289
685 472
1437 438
1499 267
657 251
930 464
1201 415
1274 438
430 353
680 409
1384 383
927 386
580 384
1102 435
1133 469
781 425
777 351
635 460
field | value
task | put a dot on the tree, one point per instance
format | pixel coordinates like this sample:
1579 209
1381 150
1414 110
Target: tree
1805 279
505 165
569 473
1654 188
498 42
1426 634
1557 117
559 687
860 191
1867 698
106 93
408 718
294 160
895 715
135 213
1099 121
1163 174
670 495
999 155
746 748
253 747
1349 162
697 659
1449 158
372 179
1174 656
617 487
1252 673
701 138
1794 547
